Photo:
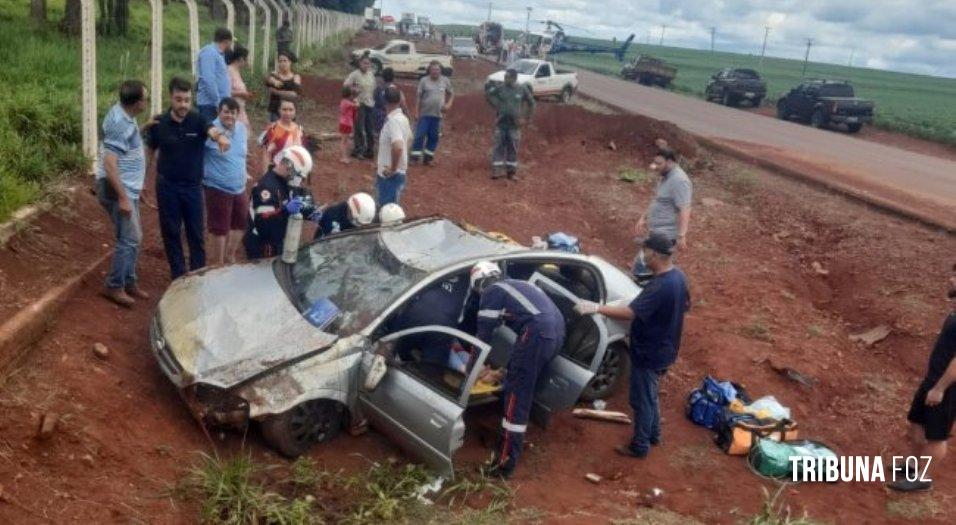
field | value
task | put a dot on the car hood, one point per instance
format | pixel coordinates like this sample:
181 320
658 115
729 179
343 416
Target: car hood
226 325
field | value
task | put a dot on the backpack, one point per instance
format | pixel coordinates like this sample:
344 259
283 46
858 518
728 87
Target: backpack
738 433
705 405
564 242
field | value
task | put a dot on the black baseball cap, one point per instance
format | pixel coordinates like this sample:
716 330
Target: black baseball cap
659 244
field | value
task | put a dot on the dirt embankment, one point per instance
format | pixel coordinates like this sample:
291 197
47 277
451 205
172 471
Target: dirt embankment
782 274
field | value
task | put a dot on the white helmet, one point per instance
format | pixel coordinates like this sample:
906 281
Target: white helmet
482 271
391 213
362 208
298 158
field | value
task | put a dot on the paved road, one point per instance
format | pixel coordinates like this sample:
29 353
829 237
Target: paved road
918 185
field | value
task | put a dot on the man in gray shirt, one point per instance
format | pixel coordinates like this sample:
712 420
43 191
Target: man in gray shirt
434 98
362 82
669 212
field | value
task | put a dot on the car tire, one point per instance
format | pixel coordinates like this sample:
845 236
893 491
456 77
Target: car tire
783 112
854 128
756 102
294 431
818 119
609 375
729 99
565 96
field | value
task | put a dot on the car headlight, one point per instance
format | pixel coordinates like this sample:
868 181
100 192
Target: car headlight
216 407
164 355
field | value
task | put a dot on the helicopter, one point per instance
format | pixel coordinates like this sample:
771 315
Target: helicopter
553 40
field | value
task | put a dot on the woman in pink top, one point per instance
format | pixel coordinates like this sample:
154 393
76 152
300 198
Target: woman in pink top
347 110
237 59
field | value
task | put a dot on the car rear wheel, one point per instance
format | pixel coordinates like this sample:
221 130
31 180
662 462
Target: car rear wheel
728 100
292 432
756 102
609 374
565 95
783 112
854 128
818 119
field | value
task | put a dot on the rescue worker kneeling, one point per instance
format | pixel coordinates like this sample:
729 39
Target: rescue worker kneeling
539 325
279 194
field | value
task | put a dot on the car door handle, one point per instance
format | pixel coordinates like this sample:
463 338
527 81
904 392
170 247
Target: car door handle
437 421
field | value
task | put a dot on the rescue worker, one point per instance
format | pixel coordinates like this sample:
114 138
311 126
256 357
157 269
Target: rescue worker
357 210
527 311
391 214
438 305
277 195
514 104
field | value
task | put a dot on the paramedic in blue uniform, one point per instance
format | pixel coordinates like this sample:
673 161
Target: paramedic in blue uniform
439 304
539 325
358 210
278 195
657 320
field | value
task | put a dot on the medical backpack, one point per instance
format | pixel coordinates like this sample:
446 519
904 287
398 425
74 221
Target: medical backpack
705 405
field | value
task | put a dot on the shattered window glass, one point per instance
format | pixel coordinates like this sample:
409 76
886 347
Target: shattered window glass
356 273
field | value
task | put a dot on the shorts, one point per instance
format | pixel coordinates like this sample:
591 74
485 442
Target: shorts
346 129
937 421
225 211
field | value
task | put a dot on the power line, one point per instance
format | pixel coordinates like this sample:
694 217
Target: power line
489 11
806 58
763 50
527 24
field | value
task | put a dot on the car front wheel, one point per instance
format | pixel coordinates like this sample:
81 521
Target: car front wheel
854 128
783 112
609 374
292 432
818 119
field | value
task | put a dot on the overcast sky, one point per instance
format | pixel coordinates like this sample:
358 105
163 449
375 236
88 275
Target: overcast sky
917 36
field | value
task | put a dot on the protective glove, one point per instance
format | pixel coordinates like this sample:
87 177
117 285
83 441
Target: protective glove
293 206
316 216
586 307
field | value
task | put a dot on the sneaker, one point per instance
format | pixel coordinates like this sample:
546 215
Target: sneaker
136 292
626 450
119 296
905 485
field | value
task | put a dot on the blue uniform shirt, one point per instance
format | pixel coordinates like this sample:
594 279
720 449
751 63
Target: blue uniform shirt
519 305
213 77
121 138
227 171
659 320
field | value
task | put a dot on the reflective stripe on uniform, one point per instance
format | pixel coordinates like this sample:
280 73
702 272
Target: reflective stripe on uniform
512 164
511 427
498 163
265 209
490 314
522 300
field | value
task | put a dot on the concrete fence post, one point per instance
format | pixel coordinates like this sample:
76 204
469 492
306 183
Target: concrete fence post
193 34
156 57
251 36
88 64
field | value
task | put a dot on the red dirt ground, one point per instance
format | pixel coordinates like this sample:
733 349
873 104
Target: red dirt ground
757 301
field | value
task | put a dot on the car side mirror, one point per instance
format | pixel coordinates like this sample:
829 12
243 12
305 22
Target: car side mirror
376 372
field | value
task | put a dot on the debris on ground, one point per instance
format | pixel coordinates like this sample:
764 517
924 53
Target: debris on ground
100 350
819 269
711 202
47 425
612 146
87 460
791 374
872 336
593 478
432 487
602 415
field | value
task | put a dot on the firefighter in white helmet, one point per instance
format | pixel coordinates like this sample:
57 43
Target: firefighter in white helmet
281 192
358 210
391 213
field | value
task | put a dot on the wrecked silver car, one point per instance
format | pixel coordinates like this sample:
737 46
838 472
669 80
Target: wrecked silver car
291 345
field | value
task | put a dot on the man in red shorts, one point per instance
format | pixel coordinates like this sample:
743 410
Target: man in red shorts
224 186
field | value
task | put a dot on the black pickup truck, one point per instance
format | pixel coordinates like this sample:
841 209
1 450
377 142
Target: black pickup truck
823 102
732 85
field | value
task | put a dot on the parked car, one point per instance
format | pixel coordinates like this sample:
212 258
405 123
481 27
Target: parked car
823 102
291 346
463 47
403 58
649 71
389 28
545 80
733 85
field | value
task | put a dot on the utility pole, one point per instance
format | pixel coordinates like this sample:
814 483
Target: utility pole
489 11
806 58
763 50
852 52
713 36
663 28
527 24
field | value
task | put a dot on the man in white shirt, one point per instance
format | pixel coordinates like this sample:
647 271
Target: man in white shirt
393 144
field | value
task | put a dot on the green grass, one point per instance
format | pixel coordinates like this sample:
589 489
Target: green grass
917 105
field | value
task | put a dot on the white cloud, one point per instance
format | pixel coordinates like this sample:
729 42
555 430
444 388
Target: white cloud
889 34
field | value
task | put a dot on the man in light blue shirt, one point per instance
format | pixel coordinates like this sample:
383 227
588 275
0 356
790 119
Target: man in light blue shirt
213 75
224 185
119 181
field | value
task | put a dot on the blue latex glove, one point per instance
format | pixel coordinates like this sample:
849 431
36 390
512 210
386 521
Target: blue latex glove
316 216
293 206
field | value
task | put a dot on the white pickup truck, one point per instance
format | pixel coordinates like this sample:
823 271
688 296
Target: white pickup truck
403 58
545 80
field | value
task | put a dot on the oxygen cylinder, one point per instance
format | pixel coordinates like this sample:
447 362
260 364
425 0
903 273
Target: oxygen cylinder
293 232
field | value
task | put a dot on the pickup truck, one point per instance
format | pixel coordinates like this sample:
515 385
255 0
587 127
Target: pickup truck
403 58
649 71
543 78
823 102
732 85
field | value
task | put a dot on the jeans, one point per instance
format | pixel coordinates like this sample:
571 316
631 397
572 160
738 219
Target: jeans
389 189
210 112
426 136
647 413
364 132
129 235
505 153
181 205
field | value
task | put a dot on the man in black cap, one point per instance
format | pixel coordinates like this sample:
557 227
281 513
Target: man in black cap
657 320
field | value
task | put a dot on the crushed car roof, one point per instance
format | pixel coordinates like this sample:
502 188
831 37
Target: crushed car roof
433 244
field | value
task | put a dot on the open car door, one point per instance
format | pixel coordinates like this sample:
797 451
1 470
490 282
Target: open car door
585 343
421 411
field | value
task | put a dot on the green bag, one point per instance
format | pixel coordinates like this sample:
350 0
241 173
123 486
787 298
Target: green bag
771 459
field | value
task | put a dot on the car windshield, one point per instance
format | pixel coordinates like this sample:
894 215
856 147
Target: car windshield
836 90
747 73
525 67
462 42
355 273
381 47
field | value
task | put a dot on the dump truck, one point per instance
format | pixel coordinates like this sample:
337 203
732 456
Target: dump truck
649 71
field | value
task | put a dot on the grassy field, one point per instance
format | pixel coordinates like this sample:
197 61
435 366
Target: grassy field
917 105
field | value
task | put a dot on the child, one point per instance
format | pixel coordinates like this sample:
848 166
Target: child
347 110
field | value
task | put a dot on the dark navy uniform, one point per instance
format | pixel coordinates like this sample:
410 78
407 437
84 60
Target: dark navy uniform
334 219
268 217
531 314
440 305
